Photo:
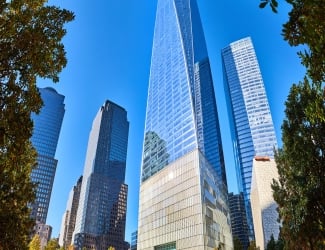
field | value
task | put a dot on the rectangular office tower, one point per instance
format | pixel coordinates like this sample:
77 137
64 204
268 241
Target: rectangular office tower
250 118
183 189
101 215
47 126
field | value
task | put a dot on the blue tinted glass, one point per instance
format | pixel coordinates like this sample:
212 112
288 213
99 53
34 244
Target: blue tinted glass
181 107
249 114
47 126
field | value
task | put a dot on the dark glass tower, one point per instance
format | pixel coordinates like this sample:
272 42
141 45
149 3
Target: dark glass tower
250 118
183 181
47 126
101 213
134 240
238 218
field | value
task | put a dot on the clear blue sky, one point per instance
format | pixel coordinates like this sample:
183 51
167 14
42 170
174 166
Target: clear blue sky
109 48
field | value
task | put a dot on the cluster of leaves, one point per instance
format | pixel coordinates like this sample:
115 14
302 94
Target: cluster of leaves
300 191
275 244
252 246
237 244
35 244
30 47
53 244
306 27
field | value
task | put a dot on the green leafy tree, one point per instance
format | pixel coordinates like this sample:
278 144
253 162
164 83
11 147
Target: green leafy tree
53 244
273 244
237 244
35 244
30 45
306 27
252 246
300 191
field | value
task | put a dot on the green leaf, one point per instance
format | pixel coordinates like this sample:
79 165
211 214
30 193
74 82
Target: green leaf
274 9
263 4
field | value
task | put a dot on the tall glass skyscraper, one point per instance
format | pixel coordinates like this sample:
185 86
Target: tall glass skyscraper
250 118
101 215
47 126
183 181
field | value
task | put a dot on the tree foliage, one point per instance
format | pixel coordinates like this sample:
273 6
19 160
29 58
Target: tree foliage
273 244
35 244
30 47
252 246
300 191
237 244
306 27
53 244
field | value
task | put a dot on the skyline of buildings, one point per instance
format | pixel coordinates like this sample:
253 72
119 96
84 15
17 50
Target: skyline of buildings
85 83
46 132
101 214
249 115
183 189
157 149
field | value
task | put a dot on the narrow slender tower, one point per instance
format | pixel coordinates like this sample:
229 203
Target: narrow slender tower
101 215
69 216
250 117
183 189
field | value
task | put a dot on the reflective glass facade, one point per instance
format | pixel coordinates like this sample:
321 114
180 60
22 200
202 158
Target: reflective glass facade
47 126
182 123
238 218
181 108
101 213
249 113
134 240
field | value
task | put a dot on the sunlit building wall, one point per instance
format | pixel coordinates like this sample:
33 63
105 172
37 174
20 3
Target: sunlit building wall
264 208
